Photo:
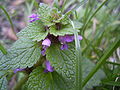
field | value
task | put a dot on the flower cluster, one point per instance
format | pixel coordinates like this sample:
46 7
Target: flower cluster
62 39
66 39
47 42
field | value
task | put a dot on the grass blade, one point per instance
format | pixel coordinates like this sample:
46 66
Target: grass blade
108 62
4 51
9 19
107 54
85 26
112 83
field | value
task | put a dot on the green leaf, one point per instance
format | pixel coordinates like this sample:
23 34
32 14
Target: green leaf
64 19
49 16
24 53
62 31
3 81
35 31
44 13
64 63
38 79
77 24
59 82
2 74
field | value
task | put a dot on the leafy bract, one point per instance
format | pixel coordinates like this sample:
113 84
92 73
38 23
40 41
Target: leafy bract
39 80
64 63
62 31
63 19
24 53
44 13
49 15
35 31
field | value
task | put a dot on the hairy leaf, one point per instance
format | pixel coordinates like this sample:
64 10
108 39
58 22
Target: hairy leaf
49 15
77 24
38 79
3 81
61 30
63 19
64 63
24 53
44 13
35 31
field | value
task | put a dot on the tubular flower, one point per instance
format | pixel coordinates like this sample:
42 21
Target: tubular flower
64 47
48 66
46 43
33 17
65 39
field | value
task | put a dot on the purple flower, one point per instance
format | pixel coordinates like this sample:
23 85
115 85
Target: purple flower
65 39
48 66
64 47
43 52
69 38
34 17
80 37
18 69
46 43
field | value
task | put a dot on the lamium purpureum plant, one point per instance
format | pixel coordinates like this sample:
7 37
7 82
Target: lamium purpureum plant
45 53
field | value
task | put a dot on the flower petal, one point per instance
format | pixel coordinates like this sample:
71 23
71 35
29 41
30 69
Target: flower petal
66 38
46 42
48 66
64 47
69 38
33 15
18 69
43 52
80 37
62 39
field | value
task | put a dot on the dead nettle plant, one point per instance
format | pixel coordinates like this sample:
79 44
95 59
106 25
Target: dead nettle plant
49 55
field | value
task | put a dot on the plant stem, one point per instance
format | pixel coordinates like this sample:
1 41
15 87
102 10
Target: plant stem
9 19
108 52
78 79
